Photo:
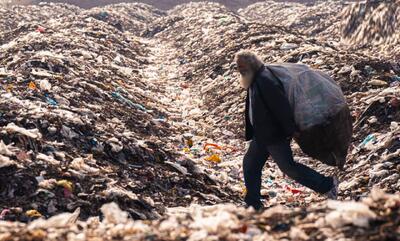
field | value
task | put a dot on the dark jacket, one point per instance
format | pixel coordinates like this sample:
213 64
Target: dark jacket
272 114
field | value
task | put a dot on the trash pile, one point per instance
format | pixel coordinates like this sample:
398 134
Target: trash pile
374 160
132 17
202 34
374 218
308 18
80 127
127 112
373 23
19 15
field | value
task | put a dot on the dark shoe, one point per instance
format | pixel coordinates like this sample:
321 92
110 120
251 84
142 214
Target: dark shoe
333 193
257 207
253 202
339 161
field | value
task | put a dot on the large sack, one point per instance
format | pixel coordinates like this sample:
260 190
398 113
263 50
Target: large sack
330 141
320 111
313 95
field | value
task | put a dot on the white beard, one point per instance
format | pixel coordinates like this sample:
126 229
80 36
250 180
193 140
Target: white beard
246 80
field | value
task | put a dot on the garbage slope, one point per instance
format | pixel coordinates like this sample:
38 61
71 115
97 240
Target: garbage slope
80 126
374 25
208 35
190 50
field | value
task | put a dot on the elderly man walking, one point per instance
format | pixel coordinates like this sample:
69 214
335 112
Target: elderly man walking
270 126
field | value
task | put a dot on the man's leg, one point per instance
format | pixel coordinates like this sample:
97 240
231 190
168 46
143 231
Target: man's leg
282 155
253 163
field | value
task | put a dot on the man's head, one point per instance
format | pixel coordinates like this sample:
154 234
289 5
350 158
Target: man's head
248 63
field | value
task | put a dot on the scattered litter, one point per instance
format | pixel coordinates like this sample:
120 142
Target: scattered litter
95 103
213 158
33 213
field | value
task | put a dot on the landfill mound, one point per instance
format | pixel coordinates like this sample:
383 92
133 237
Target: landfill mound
375 218
18 19
132 17
132 105
164 5
81 127
371 84
203 34
18 15
206 57
373 23
309 18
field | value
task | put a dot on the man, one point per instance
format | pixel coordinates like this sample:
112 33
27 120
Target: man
270 126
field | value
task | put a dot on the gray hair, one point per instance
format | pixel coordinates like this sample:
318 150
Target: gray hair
250 58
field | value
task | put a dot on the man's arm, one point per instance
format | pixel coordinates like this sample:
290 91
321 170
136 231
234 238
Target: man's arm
276 101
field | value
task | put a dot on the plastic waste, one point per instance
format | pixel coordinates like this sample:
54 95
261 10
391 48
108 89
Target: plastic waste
272 194
113 214
395 102
3 213
188 138
130 103
80 164
353 213
33 213
369 69
68 133
5 149
23 156
41 29
293 190
214 158
368 139
63 220
178 167
377 82
9 88
395 83
44 84
288 46
65 184
212 146
103 57
32 133
32 85
51 101
49 159
208 145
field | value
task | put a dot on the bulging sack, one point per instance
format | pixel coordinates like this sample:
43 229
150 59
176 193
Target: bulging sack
313 95
320 111
329 142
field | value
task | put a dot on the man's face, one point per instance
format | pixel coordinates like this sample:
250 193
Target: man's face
246 74
243 68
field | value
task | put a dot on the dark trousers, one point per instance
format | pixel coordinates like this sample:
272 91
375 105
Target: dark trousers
255 159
